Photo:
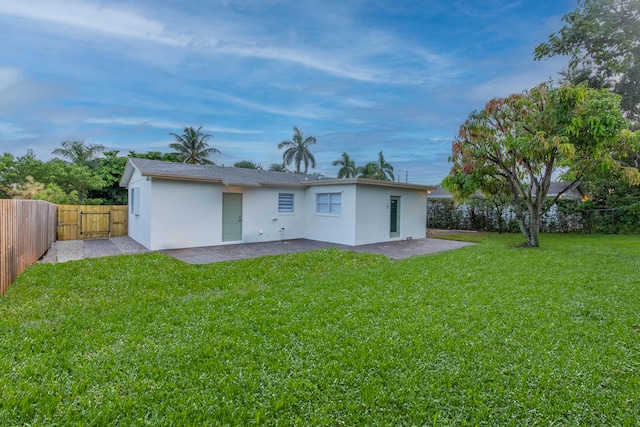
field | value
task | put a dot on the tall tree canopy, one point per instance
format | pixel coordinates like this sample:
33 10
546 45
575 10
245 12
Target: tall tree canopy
384 169
79 152
297 151
602 39
157 155
247 164
380 169
516 144
56 181
110 169
369 170
348 167
192 146
278 167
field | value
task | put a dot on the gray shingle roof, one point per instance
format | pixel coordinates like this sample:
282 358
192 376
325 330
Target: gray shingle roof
439 193
557 187
208 173
228 175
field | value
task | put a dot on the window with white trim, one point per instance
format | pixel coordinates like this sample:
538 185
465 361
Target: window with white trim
329 203
134 201
285 203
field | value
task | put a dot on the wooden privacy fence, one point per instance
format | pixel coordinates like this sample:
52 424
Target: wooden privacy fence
92 222
27 230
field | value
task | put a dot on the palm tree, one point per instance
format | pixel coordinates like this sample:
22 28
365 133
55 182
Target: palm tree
192 146
381 169
297 151
79 152
278 167
247 164
385 170
348 169
369 170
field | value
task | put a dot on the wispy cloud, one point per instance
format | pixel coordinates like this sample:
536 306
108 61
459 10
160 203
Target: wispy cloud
524 77
94 17
483 9
304 111
9 76
361 76
18 91
161 124
11 130
350 61
320 61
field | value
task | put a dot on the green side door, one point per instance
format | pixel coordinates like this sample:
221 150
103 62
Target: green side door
231 217
394 216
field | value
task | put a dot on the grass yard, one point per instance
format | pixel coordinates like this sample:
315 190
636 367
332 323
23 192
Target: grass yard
485 335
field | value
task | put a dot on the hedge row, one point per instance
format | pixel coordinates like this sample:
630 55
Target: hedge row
567 216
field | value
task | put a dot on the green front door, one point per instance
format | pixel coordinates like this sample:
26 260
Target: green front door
394 216
231 217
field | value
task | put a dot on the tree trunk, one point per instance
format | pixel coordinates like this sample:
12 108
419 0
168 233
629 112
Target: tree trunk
499 212
531 228
534 229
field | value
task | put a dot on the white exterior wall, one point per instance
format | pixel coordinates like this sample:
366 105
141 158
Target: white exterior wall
261 221
414 214
327 227
373 214
185 214
140 224
180 214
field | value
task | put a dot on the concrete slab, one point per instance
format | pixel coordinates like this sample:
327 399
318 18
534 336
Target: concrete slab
71 250
395 250
93 248
63 251
210 254
408 248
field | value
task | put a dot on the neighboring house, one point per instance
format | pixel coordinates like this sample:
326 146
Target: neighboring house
439 193
443 212
569 191
177 205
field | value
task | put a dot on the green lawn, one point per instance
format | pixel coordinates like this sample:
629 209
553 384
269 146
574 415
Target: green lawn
485 335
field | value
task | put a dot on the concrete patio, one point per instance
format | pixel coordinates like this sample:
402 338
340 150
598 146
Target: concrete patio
395 250
62 251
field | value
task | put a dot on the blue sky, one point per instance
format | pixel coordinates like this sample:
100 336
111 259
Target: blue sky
361 76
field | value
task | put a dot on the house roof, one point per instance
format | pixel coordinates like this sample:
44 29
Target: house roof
232 176
367 181
571 190
225 175
439 193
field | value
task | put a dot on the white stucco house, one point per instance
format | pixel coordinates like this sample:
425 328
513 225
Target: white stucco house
177 205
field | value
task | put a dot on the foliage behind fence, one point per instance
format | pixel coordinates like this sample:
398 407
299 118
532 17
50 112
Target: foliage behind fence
27 230
566 216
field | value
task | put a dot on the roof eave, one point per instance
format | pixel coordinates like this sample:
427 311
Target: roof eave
286 185
373 182
126 174
185 178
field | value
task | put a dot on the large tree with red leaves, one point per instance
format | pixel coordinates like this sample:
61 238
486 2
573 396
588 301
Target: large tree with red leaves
516 144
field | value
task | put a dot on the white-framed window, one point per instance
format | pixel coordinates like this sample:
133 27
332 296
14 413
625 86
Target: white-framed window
285 203
329 203
134 201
